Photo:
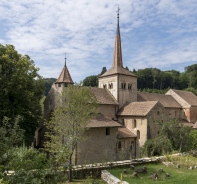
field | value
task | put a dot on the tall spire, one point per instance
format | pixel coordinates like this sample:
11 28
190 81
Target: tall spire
117 48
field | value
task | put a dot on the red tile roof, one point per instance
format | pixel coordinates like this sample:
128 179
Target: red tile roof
117 70
104 96
125 133
103 121
137 108
165 100
189 97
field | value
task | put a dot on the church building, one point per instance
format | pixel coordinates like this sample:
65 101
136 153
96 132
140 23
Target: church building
126 118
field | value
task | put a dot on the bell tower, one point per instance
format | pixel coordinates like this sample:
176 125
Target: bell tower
64 79
120 82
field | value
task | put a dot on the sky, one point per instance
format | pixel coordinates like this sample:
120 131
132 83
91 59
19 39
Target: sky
154 33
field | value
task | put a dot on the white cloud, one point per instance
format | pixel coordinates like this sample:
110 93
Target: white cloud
154 33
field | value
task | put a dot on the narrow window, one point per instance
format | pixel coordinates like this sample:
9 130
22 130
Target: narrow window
138 134
104 86
119 145
175 114
124 85
134 123
59 84
123 121
107 131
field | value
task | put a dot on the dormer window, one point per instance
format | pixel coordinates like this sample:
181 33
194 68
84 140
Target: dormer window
111 86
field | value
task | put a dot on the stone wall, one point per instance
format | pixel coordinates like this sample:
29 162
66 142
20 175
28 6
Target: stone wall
97 146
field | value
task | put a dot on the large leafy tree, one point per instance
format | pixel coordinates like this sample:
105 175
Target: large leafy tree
21 88
68 123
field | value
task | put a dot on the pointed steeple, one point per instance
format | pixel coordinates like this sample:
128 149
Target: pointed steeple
117 62
65 76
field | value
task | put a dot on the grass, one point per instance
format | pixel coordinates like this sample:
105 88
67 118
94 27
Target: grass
181 176
86 181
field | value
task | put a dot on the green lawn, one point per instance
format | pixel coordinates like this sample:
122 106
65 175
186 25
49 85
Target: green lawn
86 181
177 176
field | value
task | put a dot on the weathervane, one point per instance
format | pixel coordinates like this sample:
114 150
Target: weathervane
118 12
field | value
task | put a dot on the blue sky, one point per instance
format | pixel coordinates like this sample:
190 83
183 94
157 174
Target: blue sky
154 33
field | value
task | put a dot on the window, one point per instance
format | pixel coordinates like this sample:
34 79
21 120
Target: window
130 86
123 121
104 86
138 134
107 131
59 84
111 86
134 123
123 85
119 145
175 114
65 85
158 112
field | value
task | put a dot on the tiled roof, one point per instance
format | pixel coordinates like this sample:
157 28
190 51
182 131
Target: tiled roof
104 96
65 76
117 70
125 133
165 100
189 97
137 108
103 121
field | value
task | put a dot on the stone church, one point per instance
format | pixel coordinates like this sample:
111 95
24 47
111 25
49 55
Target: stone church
125 116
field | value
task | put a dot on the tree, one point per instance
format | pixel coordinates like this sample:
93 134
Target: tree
21 88
91 81
193 140
104 69
68 123
48 84
11 135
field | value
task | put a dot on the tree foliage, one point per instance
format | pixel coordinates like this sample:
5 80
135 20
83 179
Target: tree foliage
11 135
21 88
68 123
91 81
48 83
172 136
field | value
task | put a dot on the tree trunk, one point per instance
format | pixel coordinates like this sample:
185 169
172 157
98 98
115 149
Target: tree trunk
70 169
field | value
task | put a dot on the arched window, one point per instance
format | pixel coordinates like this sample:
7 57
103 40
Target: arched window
130 86
110 86
123 85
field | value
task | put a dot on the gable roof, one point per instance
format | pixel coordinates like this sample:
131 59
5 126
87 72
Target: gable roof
117 70
137 108
188 96
125 133
165 100
103 96
102 121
